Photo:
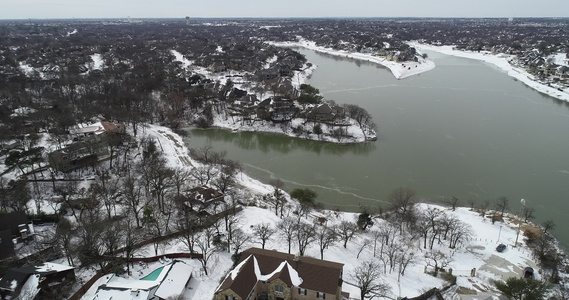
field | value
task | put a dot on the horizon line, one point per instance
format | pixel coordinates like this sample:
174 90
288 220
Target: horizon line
267 18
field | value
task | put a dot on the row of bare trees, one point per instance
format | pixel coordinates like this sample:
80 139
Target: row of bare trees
142 199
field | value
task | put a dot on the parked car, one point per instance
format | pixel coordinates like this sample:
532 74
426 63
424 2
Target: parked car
528 272
501 248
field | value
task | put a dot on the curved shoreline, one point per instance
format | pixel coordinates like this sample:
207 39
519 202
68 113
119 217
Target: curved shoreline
357 134
400 70
501 61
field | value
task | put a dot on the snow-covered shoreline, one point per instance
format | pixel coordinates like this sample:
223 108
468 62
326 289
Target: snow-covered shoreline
476 252
398 69
501 61
357 135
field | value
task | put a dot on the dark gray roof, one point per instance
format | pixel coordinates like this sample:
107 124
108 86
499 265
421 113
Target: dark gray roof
12 220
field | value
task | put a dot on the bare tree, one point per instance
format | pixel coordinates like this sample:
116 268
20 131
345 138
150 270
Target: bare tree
471 203
453 202
528 213
548 225
287 228
391 255
367 276
187 226
484 207
427 222
278 199
230 222
438 260
405 259
377 238
206 249
112 235
502 204
203 174
106 187
304 236
325 236
207 156
346 231
155 225
364 245
459 232
90 247
131 237
133 196
179 179
402 201
263 231
226 178
67 190
238 239
64 234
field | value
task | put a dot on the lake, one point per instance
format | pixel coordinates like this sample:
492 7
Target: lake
464 129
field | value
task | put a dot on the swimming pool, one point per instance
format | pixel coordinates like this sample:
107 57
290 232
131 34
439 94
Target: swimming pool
154 275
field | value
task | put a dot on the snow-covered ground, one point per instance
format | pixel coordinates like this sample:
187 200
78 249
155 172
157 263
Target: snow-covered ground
399 69
98 62
478 252
501 61
353 130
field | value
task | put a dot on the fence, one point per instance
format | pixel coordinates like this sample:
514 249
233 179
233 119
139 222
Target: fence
81 292
107 268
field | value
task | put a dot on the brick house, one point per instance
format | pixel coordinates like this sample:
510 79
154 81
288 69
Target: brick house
271 275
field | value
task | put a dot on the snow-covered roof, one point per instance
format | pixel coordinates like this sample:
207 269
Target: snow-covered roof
267 265
96 128
31 288
131 284
48 267
170 282
175 281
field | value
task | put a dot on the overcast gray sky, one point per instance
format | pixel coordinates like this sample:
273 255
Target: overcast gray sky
39 9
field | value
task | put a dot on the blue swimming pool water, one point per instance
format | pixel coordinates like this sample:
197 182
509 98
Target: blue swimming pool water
154 275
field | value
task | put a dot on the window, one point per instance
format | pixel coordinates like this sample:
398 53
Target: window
301 291
320 295
279 288
229 298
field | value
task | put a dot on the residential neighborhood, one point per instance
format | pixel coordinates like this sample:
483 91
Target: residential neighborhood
104 195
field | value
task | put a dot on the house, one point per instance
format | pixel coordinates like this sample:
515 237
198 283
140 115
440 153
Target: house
267 74
203 200
268 274
167 282
264 109
91 144
338 111
95 131
282 109
77 155
30 281
321 113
